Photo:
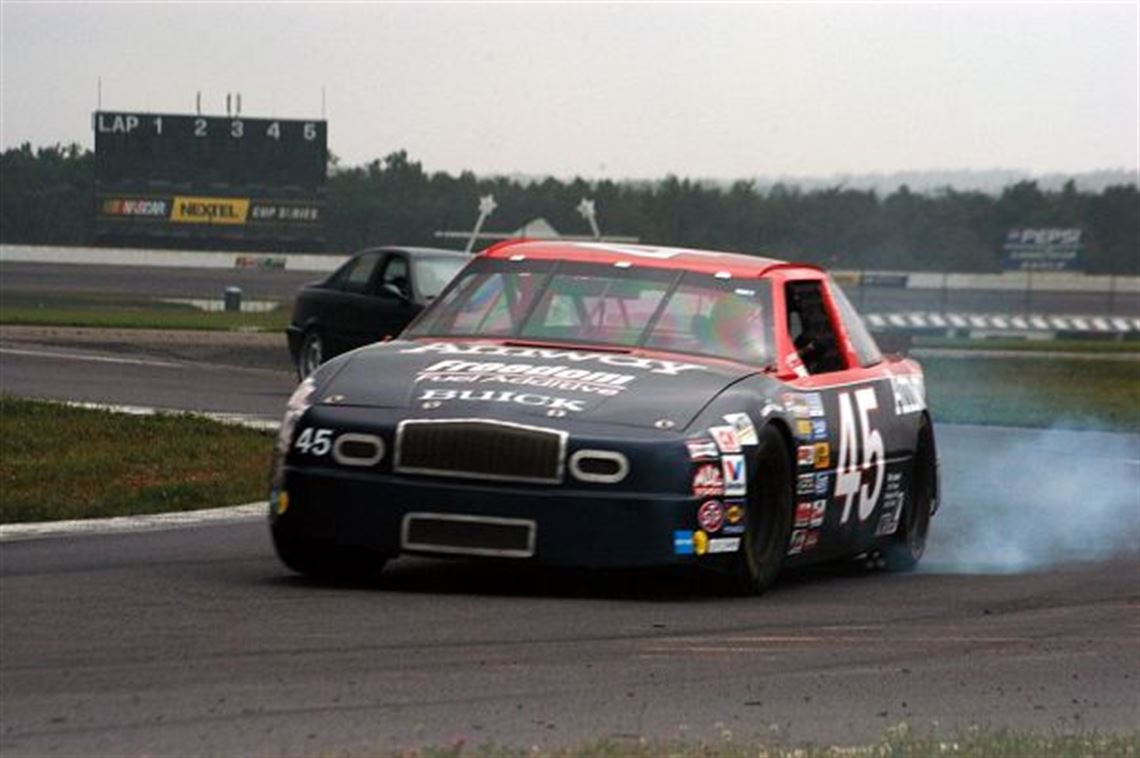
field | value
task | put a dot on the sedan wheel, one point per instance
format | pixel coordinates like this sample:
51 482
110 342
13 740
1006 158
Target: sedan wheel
769 515
311 354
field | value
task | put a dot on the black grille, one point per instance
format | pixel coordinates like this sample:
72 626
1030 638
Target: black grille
480 450
471 536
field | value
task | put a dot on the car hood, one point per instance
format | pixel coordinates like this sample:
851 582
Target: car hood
513 380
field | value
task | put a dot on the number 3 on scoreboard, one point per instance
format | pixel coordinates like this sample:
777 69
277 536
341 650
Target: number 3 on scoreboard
855 458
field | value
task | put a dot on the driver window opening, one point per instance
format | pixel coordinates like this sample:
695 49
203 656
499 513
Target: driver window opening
810 328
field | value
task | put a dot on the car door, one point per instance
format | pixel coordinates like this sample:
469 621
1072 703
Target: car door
392 304
345 317
853 463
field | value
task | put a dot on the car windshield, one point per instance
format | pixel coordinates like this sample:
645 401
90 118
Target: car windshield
433 274
593 304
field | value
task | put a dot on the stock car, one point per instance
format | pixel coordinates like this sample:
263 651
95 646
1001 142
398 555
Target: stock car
603 405
374 294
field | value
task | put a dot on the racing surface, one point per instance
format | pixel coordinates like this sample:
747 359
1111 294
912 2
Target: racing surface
1025 613
279 284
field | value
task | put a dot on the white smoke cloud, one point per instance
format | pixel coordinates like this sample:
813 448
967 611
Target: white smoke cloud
1018 500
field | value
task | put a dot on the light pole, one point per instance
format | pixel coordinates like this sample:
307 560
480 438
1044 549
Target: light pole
487 206
588 211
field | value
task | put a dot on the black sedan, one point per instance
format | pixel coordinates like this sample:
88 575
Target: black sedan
374 295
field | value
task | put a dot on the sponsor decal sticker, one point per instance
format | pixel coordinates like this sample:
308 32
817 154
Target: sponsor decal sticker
803 514
734 513
726 438
818 512
711 516
805 456
724 545
745 431
682 542
910 394
814 404
822 483
795 404
805 429
822 455
894 497
700 542
732 529
818 429
811 539
702 449
652 365
735 480
708 481
805 484
796 544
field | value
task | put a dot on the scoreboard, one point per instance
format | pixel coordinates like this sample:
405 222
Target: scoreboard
168 180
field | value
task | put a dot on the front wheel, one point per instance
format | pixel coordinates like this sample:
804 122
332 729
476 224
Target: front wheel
768 521
311 354
907 545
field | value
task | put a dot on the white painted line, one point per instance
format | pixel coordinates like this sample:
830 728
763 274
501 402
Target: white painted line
90 358
239 419
126 524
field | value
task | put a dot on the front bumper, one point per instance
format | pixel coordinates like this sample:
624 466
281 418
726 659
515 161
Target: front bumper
586 527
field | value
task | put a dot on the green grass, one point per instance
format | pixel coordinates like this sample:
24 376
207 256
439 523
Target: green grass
117 312
58 462
897 743
1069 393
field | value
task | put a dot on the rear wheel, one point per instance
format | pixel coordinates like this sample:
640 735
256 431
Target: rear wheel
907 545
326 560
311 354
769 516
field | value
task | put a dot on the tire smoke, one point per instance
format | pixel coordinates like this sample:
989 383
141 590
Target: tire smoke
1017 500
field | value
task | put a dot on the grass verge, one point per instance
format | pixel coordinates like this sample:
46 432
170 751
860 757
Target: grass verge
898 743
58 462
1068 393
114 312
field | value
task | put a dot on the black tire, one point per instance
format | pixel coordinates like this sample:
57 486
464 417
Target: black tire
768 522
906 546
311 353
327 561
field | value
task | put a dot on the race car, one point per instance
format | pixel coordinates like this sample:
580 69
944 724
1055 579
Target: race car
603 405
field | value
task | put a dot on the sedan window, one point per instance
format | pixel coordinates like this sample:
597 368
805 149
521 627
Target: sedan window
355 275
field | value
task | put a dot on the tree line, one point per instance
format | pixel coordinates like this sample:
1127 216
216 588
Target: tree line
46 197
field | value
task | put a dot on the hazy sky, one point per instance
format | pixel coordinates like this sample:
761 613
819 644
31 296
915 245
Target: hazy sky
617 90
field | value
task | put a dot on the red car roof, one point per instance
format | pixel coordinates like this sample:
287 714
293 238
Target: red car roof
703 261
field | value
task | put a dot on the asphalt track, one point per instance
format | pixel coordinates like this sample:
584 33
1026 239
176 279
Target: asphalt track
196 641
278 284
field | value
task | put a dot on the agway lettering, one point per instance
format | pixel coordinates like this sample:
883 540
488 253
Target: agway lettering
653 365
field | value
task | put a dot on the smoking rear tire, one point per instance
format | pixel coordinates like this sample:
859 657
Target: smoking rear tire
906 546
768 519
311 354
327 561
